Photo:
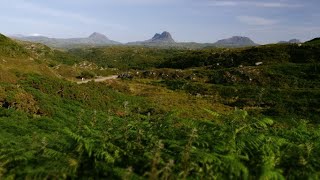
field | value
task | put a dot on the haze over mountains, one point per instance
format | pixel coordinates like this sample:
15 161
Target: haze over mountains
163 39
292 41
95 39
236 41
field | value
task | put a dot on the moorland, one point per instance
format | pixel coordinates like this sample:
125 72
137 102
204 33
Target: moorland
172 113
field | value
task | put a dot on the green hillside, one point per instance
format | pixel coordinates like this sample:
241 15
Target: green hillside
9 48
125 57
174 114
315 41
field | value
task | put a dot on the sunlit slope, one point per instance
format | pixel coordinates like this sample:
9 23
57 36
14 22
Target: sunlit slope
19 57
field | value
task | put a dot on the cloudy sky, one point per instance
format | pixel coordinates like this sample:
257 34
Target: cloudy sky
264 21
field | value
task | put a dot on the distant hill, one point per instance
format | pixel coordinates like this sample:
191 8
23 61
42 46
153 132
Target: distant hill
315 41
164 38
292 41
235 41
95 39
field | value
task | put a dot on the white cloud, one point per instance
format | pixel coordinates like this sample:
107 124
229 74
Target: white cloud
36 34
273 4
254 20
129 2
223 3
276 5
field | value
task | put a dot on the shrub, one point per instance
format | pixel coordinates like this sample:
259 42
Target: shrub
87 75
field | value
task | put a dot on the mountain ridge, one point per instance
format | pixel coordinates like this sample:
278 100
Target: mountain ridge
235 41
163 39
95 39
291 41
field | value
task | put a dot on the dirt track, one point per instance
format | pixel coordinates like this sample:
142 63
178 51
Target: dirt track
100 79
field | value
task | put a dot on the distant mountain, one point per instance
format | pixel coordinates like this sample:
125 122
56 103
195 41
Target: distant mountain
235 41
95 39
315 41
164 38
292 41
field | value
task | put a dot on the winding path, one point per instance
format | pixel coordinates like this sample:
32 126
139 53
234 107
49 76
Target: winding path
99 79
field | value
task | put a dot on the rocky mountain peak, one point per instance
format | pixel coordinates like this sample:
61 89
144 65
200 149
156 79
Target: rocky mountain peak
164 37
156 36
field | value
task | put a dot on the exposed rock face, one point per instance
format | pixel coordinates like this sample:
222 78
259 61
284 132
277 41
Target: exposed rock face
236 41
156 36
162 39
165 37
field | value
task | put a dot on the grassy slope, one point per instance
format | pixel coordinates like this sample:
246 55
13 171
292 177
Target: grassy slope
130 129
315 41
94 131
17 58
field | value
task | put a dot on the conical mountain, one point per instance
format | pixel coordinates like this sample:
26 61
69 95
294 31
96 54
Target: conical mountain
100 36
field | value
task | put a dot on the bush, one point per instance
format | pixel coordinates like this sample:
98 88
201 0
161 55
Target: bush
87 75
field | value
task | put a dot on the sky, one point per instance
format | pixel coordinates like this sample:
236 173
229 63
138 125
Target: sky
264 21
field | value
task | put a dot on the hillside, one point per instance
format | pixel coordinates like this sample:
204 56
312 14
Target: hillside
9 48
213 113
16 58
315 41
19 57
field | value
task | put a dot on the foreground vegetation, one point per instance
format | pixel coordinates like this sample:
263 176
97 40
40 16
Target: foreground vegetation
199 114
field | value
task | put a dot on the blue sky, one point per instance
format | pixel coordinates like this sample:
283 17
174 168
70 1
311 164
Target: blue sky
264 21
